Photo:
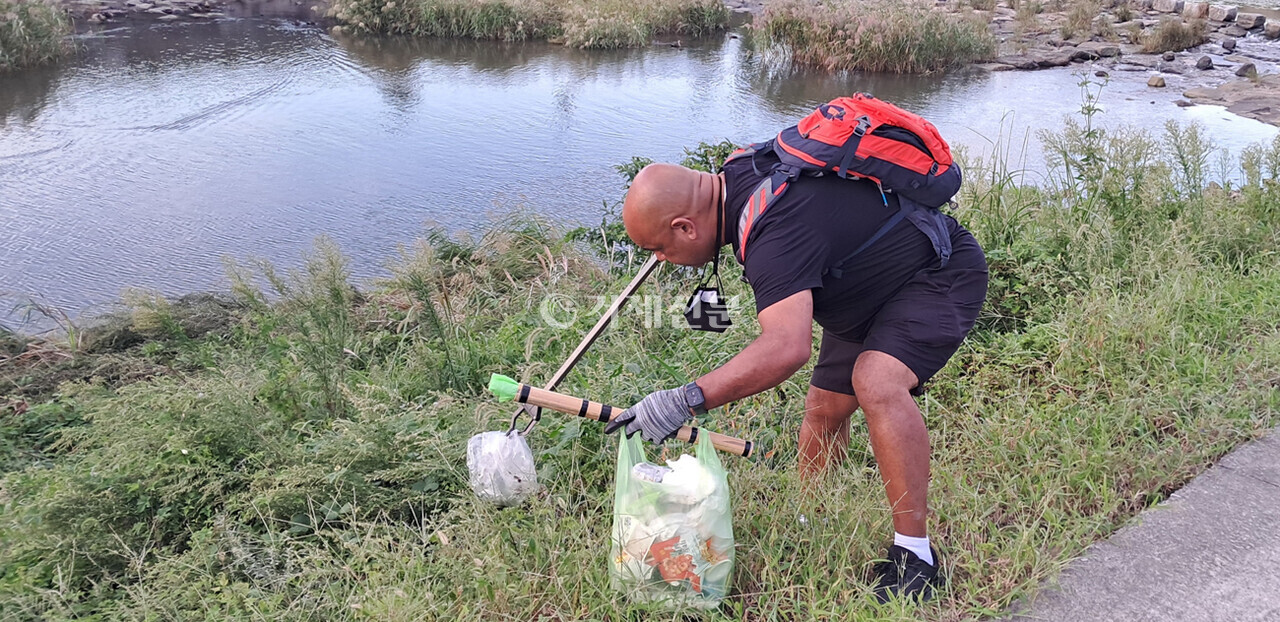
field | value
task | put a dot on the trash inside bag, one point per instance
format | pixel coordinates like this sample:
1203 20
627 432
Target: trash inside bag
501 467
672 529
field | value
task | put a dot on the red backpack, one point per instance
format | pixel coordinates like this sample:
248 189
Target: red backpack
864 138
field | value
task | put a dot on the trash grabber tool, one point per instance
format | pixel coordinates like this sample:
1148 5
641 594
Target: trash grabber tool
590 338
508 389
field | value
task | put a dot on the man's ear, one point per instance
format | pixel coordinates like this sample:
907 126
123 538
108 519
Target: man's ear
685 227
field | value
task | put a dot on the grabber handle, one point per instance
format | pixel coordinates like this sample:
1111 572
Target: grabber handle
508 389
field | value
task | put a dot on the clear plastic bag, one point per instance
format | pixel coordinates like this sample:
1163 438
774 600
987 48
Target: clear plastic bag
672 528
501 466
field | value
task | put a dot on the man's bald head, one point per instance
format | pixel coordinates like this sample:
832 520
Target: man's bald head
671 210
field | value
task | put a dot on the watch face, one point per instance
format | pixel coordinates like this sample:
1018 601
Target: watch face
693 395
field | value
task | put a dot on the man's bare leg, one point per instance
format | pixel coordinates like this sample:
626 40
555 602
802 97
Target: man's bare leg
898 437
824 433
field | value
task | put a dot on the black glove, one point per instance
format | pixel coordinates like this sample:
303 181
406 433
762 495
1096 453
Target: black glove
657 417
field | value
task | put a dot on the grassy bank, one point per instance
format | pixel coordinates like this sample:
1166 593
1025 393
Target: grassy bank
578 23
32 32
900 37
305 459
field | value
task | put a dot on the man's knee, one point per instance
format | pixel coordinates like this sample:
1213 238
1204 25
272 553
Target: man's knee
828 410
880 379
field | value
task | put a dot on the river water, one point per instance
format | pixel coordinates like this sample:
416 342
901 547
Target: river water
165 147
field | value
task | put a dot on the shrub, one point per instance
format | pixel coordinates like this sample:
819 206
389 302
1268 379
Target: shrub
899 38
32 32
1080 19
579 23
1174 35
1123 12
1027 12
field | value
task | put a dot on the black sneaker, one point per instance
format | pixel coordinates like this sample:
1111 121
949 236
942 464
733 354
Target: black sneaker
904 575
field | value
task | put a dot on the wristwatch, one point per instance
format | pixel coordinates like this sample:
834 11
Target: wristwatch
694 398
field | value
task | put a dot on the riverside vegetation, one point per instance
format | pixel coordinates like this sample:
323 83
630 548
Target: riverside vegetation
32 32
296 451
902 37
883 36
577 23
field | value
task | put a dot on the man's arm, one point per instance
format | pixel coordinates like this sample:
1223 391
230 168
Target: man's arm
783 347
784 344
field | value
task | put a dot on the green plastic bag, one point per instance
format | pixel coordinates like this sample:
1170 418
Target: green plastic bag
672 528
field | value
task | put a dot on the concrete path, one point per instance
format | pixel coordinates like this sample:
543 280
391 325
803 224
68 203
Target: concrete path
1211 552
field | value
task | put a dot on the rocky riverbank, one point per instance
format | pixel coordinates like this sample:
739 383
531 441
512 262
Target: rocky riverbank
1236 65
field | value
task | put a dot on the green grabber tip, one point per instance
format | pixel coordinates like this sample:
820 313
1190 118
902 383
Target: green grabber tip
503 387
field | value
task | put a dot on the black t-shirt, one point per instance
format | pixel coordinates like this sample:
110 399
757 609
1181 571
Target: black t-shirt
816 223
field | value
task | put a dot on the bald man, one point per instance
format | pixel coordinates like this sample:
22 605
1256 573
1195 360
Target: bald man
892 315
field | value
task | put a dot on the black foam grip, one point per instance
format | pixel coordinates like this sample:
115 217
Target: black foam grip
605 411
524 393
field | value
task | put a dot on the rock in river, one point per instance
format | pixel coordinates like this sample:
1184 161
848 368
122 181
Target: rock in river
1204 63
1156 81
1104 50
1222 13
1249 21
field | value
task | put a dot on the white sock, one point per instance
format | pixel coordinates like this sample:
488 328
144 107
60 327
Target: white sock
919 546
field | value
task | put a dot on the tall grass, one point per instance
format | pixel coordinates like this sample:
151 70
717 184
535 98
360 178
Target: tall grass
308 461
578 23
1174 35
32 32
900 37
1080 19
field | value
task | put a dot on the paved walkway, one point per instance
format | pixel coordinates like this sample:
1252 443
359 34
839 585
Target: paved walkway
1211 552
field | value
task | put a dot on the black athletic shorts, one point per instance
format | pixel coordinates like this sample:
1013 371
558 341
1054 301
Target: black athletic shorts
922 325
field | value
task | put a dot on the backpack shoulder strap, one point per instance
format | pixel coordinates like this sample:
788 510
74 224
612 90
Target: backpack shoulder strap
751 151
764 195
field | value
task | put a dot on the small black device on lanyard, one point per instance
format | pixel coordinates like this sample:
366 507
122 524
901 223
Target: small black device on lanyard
706 309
